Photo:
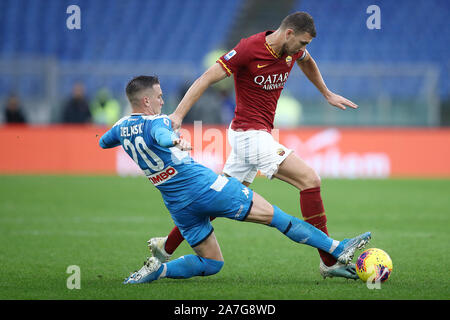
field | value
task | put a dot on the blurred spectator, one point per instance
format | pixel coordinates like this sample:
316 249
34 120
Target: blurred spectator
228 105
13 110
208 108
105 109
76 109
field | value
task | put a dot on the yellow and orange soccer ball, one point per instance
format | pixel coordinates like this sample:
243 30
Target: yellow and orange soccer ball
374 265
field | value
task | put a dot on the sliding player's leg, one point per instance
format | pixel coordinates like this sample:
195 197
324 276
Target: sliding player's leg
302 232
207 261
227 197
162 248
235 201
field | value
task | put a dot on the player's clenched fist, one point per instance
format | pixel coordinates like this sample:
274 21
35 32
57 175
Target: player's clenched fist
182 144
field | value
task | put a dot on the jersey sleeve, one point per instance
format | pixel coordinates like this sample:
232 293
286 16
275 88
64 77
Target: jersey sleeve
162 132
110 139
236 58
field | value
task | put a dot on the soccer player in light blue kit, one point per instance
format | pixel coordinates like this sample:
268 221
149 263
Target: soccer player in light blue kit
192 192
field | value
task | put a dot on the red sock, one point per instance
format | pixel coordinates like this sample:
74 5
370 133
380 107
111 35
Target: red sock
314 213
175 238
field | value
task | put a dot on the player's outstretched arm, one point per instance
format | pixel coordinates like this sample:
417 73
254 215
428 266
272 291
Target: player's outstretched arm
312 72
211 76
109 139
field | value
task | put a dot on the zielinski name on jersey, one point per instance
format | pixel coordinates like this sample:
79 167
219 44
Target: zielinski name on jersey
271 81
128 131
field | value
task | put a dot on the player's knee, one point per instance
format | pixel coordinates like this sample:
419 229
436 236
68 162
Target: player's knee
261 210
312 180
316 181
212 266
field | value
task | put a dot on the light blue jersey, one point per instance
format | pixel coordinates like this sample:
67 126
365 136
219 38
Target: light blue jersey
148 141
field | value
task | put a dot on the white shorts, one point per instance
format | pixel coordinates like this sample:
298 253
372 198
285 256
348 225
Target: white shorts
251 151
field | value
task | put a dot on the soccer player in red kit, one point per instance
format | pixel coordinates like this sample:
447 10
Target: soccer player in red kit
261 65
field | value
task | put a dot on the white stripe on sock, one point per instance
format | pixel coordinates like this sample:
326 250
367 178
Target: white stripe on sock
333 246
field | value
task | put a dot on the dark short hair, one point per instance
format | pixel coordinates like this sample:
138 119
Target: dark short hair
137 84
299 22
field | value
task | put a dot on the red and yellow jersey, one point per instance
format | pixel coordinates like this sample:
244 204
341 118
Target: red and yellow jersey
259 76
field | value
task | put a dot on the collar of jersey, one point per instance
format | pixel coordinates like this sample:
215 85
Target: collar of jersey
268 47
142 114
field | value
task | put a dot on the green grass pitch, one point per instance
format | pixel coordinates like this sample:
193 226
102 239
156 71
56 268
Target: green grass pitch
101 224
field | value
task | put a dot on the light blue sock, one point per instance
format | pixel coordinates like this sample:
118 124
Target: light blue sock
189 266
301 231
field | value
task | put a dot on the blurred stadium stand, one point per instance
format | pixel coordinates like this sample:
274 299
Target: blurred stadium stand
40 58
399 75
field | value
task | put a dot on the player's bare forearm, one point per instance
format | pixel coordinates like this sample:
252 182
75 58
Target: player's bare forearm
211 76
190 98
312 72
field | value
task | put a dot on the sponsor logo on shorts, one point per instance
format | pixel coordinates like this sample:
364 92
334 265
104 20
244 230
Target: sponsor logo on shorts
281 152
246 192
239 212
162 176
